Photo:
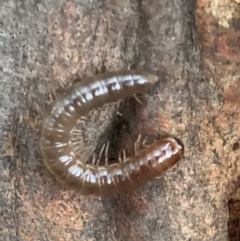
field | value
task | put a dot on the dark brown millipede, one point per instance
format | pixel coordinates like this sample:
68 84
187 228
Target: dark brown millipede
79 100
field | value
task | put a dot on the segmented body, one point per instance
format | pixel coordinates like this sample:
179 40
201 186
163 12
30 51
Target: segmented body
79 100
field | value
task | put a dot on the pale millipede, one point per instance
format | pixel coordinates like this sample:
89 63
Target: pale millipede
79 100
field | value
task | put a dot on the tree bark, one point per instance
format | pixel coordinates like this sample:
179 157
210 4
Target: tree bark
194 46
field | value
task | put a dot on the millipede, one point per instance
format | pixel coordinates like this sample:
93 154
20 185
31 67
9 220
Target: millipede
101 180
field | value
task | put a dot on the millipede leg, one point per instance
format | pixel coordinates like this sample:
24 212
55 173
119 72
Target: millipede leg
137 99
106 154
124 155
137 145
144 142
94 159
100 155
120 159
118 113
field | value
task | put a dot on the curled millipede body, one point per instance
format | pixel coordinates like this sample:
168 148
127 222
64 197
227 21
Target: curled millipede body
79 100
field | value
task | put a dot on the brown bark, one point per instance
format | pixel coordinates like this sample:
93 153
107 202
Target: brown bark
195 48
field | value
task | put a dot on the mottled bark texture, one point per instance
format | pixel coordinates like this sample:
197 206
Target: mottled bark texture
194 46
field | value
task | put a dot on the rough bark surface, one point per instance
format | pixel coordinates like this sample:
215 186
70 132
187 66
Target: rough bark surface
194 45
